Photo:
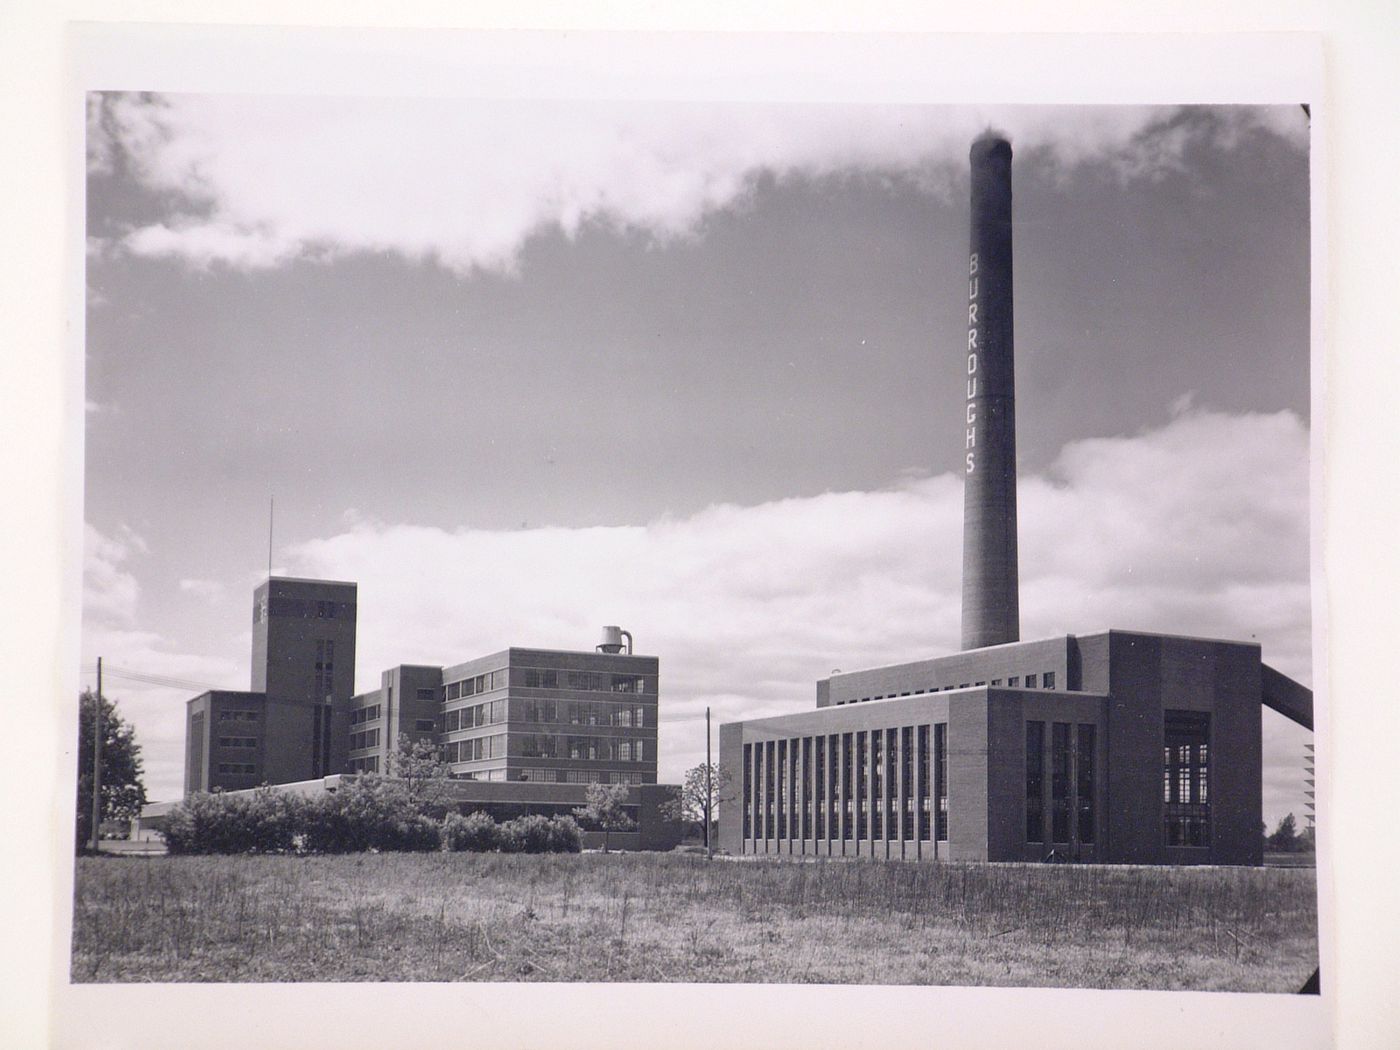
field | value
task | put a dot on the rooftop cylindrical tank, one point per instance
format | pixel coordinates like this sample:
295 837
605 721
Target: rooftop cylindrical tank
613 640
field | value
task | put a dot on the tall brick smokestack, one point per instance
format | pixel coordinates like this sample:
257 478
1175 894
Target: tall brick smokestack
990 605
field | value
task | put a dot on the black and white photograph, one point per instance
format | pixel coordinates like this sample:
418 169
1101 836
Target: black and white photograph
550 534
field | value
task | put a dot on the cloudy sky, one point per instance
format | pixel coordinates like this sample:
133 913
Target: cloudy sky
522 369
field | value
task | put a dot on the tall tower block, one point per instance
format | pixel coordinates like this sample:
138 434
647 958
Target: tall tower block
304 661
990 604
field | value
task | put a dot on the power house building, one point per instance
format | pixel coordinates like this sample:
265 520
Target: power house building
1110 747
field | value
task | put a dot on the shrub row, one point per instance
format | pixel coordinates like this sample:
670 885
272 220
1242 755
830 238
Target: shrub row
529 834
368 813
264 822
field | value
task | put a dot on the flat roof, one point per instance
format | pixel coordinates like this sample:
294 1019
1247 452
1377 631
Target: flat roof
225 692
1054 638
307 579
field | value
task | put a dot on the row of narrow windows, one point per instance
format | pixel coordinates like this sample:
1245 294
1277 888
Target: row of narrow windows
370 764
586 748
482 683
578 776
585 681
549 678
873 784
492 712
302 608
584 713
1039 680
478 749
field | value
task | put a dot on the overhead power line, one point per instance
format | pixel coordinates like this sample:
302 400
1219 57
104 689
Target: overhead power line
153 679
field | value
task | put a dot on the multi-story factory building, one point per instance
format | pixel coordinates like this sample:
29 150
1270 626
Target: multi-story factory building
523 730
543 715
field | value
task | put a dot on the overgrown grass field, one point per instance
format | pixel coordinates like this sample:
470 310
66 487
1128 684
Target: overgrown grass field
671 917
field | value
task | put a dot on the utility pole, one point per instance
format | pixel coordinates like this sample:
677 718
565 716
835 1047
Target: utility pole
271 508
97 761
708 793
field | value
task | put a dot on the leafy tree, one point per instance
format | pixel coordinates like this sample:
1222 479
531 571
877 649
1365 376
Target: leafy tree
419 765
1285 836
123 793
603 807
696 801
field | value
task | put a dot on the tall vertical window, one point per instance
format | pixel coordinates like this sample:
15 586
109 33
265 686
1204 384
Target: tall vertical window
758 790
768 788
748 791
782 788
794 791
862 784
324 668
891 790
1084 789
1035 781
847 795
806 787
925 816
906 778
833 770
1059 782
877 771
819 787
940 774
317 754
196 778
1186 778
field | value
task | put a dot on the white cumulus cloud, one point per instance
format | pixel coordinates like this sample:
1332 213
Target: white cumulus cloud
254 182
110 590
205 590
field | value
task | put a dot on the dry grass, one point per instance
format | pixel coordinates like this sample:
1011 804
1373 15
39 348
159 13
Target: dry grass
641 917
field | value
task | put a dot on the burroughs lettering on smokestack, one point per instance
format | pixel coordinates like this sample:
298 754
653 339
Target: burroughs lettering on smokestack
990 605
